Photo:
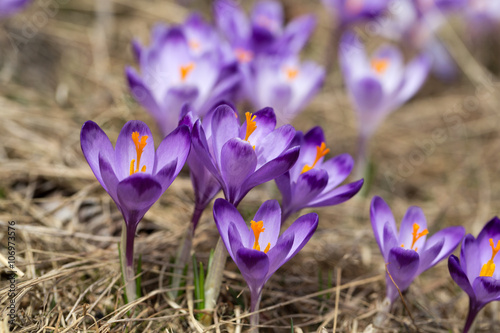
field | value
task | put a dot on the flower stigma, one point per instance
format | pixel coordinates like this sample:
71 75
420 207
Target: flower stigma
194 44
380 65
243 56
489 268
185 70
320 152
258 228
291 73
416 236
140 143
251 126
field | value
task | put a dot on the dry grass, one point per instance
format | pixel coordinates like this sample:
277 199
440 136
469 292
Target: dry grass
71 70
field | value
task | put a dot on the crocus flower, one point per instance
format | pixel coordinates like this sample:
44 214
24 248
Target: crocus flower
183 64
409 252
10 7
242 157
476 272
483 15
134 174
259 251
312 181
352 11
286 84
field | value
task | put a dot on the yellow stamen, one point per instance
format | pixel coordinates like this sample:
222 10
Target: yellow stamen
185 70
195 45
140 143
320 152
258 228
291 73
243 55
489 268
380 65
251 125
416 235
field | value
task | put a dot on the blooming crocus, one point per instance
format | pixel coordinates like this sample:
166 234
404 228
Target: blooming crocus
242 157
378 85
409 252
259 251
134 174
183 64
476 272
352 11
286 84
10 7
314 181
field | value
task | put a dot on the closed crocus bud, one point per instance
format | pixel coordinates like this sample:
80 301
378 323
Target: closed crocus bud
477 271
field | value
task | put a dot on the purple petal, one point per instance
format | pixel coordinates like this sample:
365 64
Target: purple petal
389 241
297 33
414 77
308 144
302 230
224 127
166 175
392 75
202 150
402 265
233 240
231 20
125 150
338 169
278 254
143 95
490 231
267 19
225 214
308 186
274 144
109 179
175 146
238 161
380 214
413 215
172 104
270 213
137 193
265 120
368 96
284 186
470 257
486 289
459 276
254 266
95 142
338 195
205 185
446 241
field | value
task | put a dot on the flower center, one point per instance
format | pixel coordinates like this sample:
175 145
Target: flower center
258 228
251 126
291 73
194 44
416 235
243 56
380 65
489 268
185 70
320 152
140 143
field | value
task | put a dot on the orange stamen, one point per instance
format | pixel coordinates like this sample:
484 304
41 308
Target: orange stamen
320 152
291 73
243 55
185 70
258 228
416 235
140 143
380 65
251 125
194 45
489 268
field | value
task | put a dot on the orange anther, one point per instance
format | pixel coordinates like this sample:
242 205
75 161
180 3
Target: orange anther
243 55
258 228
251 125
140 143
380 65
489 268
320 152
416 235
291 73
185 70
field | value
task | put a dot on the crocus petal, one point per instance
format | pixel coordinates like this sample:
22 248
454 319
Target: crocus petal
459 276
402 265
270 214
470 257
490 231
224 214
143 95
166 175
125 150
224 127
274 144
486 289
239 161
414 77
137 193
308 186
389 241
265 120
95 142
338 195
393 73
368 96
172 103
449 238
267 21
175 146
109 179
413 215
231 20
302 229
284 186
380 214
338 169
202 150
232 240
254 266
278 254
297 33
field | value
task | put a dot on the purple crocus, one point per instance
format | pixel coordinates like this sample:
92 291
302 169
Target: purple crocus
378 85
259 251
10 7
183 64
284 83
483 15
314 181
242 157
476 272
134 174
409 252
351 11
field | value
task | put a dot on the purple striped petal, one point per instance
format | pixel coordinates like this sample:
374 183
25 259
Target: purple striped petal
95 142
303 228
380 214
469 254
175 146
446 241
278 254
296 34
274 144
402 265
308 186
338 195
413 215
270 213
459 276
254 266
486 289
224 214
109 179
224 127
